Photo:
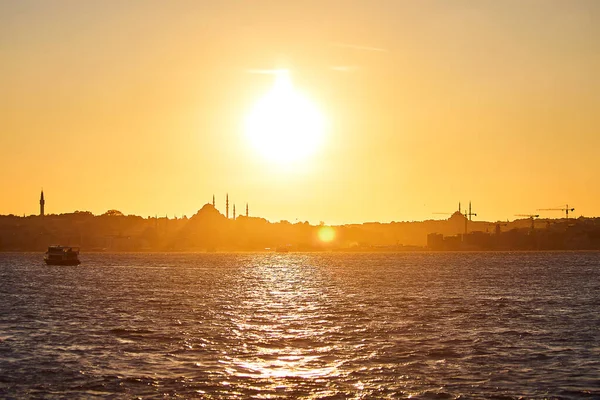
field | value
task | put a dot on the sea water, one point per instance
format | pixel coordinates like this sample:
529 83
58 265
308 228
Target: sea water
323 325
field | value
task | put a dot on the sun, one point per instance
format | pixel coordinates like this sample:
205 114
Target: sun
285 126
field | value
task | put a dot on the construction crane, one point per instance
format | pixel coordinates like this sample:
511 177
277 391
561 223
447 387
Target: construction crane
443 213
532 216
468 216
450 213
566 209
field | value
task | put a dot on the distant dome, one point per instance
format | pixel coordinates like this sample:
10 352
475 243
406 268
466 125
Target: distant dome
208 211
457 216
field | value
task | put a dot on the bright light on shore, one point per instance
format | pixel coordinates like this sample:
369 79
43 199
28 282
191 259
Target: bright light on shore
326 233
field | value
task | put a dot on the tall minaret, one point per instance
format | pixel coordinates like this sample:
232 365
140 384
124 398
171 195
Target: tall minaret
42 203
234 211
459 208
227 205
246 209
214 201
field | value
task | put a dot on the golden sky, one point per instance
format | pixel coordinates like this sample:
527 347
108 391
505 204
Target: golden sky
141 106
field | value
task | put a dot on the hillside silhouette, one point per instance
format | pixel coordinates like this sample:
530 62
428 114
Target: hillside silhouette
209 230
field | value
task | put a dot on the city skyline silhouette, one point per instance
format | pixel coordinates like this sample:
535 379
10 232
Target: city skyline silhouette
212 230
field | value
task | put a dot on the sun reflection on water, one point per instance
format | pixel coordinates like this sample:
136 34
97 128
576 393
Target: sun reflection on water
279 336
285 367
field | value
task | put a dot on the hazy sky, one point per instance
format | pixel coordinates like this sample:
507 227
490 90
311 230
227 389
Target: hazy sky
139 106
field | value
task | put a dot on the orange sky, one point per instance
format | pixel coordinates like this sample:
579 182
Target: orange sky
139 106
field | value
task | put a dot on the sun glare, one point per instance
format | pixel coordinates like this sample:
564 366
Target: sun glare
285 126
326 233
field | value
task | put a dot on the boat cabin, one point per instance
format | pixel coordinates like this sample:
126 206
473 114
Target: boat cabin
62 255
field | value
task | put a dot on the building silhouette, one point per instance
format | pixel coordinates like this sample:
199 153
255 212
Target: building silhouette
42 203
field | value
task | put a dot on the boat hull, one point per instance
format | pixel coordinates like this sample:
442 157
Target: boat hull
62 255
62 262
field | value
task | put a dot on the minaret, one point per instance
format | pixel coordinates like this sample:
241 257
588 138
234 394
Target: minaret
42 203
459 208
234 211
227 205
469 211
214 201
246 209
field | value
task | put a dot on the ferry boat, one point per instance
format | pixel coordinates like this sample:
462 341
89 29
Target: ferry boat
62 255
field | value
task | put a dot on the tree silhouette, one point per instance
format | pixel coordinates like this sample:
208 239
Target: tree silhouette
113 213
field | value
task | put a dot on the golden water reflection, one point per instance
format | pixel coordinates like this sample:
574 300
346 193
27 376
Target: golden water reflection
277 325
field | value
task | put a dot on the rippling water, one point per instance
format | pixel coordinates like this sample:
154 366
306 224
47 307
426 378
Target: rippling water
421 325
